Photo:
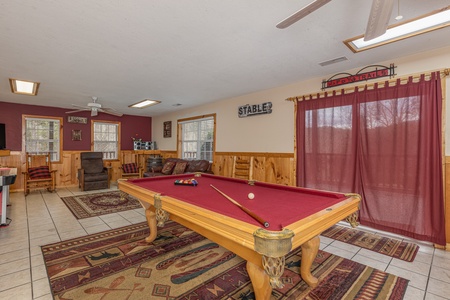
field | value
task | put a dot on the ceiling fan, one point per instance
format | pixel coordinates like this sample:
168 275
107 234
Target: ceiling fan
94 107
377 24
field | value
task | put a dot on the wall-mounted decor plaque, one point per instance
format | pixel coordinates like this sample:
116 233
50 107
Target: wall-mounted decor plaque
254 109
366 73
75 119
167 129
76 135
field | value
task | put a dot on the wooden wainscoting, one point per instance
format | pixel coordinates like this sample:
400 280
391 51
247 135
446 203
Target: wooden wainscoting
14 160
67 169
267 167
66 174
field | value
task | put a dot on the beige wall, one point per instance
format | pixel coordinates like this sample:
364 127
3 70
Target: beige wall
275 132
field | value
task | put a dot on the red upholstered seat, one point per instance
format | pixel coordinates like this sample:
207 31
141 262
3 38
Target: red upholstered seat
39 172
130 168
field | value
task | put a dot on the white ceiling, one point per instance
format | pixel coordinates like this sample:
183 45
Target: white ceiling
189 52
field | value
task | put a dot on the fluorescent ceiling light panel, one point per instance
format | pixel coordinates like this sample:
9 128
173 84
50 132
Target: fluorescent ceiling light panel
144 103
24 87
435 20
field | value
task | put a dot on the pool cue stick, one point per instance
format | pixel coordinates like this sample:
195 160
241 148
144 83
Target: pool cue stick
249 212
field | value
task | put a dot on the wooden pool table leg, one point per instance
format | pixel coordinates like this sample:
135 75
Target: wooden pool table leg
309 253
151 220
260 281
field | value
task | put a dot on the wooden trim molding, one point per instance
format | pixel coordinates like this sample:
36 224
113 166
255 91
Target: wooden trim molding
5 152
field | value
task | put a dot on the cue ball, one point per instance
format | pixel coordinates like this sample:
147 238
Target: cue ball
251 196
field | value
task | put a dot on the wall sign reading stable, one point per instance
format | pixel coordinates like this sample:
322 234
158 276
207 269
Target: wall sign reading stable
254 109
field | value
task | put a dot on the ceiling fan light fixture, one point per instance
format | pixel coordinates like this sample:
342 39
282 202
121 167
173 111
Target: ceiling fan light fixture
94 107
399 16
144 103
432 21
23 87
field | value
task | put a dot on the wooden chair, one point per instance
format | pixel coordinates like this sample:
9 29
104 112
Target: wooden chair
130 165
38 173
242 168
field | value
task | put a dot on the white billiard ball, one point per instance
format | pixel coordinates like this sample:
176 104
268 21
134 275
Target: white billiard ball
251 196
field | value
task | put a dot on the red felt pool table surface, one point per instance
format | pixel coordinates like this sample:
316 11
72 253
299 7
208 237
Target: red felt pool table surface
279 205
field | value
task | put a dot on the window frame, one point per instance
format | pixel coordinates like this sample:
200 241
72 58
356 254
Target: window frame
61 137
180 123
118 145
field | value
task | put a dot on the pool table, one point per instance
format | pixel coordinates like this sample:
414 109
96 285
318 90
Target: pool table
219 208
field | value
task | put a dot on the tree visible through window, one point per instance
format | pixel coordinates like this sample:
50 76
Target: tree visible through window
197 138
42 135
106 139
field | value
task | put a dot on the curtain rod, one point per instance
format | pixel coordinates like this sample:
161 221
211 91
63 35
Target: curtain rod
349 90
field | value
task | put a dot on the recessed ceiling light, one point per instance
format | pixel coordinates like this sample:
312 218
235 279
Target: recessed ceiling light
23 87
429 22
144 103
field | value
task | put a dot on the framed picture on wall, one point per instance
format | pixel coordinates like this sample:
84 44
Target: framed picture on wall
167 129
76 135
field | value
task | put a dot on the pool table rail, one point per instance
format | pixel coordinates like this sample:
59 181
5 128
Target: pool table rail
190 216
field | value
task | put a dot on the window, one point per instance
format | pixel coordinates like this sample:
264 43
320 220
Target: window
43 135
106 138
197 137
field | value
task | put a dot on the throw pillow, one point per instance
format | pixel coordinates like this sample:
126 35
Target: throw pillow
168 167
130 168
180 167
39 172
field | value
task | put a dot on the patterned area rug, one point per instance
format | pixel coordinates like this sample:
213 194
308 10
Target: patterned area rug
92 205
181 264
391 247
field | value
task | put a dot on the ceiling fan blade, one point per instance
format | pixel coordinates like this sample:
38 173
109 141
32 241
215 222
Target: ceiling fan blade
80 107
75 111
380 14
110 111
302 13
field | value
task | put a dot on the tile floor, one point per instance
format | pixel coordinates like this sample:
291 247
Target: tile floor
43 218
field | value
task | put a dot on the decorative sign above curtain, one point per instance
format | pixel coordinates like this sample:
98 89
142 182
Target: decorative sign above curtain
255 109
366 73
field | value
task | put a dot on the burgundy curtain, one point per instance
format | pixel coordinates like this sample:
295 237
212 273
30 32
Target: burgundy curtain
384 144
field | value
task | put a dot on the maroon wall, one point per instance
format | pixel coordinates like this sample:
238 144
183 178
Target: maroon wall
131 126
